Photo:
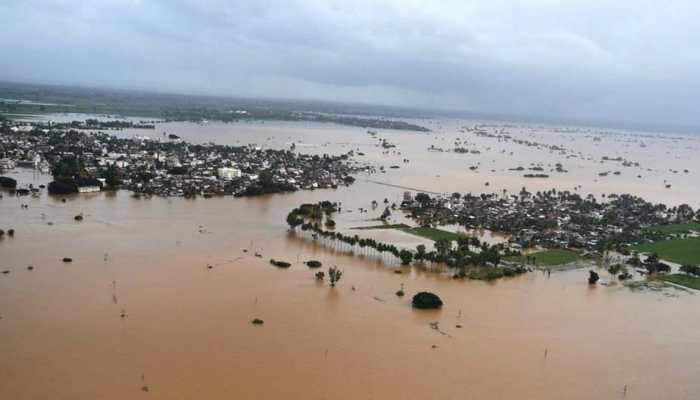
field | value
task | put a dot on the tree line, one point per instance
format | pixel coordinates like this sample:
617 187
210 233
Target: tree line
469 252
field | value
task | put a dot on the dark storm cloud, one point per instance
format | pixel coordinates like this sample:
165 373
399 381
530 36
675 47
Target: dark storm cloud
627 60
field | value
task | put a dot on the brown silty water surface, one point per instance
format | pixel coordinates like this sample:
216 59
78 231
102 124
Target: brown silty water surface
186 330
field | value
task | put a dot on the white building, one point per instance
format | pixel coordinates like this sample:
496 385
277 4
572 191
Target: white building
228 173
6 163
88 189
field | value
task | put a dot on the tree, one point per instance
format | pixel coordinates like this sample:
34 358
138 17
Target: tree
426 300
386 214
423 198
442 246
67 167
593 277
112 176
7 182
653 265
406 257
490 255
294 220
690 269
420 252
334 274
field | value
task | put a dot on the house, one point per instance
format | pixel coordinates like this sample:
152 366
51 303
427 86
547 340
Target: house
88 189
227 173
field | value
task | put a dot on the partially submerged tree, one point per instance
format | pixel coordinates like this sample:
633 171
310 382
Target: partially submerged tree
653 265
426 300
406 257
690 269
593 277
294 219
334 274
420 252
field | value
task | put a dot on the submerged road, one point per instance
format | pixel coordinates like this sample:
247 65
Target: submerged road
402 187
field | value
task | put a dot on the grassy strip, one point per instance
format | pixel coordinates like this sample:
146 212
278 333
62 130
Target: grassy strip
548 258
674 228
433 234
681 279
681 251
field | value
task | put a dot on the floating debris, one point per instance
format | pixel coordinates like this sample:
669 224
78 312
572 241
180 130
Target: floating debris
436 327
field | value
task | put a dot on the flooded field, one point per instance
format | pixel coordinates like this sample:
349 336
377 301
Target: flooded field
158 298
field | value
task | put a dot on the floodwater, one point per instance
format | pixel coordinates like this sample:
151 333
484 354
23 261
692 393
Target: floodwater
139 309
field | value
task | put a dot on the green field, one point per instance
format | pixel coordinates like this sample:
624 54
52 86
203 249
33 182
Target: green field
681 279
681 251
674 228
549 258
432 233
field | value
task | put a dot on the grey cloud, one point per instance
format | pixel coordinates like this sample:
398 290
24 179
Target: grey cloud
630 60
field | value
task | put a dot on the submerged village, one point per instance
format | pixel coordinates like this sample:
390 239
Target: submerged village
82 160
542 230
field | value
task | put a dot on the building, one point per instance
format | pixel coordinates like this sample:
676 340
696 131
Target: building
226 173
88 189
6 163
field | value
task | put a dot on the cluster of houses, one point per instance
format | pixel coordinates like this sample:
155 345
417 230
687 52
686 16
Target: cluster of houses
168 167
551 219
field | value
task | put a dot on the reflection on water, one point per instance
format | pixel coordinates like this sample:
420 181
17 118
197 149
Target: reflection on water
186 330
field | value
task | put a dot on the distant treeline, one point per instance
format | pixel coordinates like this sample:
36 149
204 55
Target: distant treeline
16 98
202 114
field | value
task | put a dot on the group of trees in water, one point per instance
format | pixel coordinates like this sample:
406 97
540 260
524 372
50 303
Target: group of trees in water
469 252
690 269
652 264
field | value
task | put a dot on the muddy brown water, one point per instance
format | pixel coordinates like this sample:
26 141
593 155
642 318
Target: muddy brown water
186 330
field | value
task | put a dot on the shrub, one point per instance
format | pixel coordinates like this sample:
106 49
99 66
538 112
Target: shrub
280 264
313 264
426 300
7 182
592 277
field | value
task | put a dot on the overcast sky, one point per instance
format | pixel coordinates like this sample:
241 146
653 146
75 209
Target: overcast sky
626 60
